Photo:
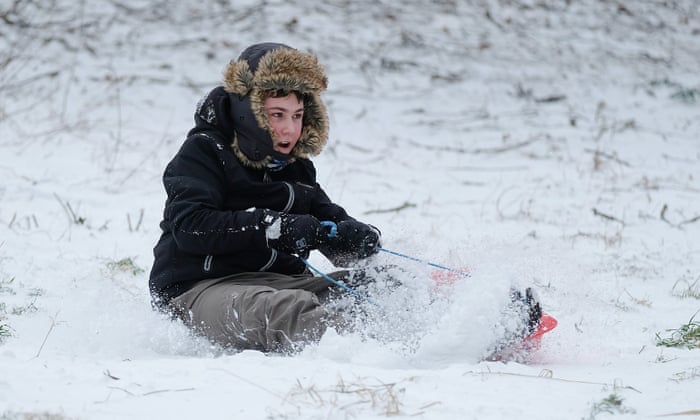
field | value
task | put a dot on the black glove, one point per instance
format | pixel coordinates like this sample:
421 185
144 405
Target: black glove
298 233
353 241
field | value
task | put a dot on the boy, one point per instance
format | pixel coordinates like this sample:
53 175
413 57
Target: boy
244 208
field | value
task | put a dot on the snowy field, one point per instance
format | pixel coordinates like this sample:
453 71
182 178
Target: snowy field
552 144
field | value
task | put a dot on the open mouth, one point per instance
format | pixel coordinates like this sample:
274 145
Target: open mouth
284 145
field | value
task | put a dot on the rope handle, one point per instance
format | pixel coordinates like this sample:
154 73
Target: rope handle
333 232
332 228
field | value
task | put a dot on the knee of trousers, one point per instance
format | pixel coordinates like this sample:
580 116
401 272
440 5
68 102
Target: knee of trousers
263 318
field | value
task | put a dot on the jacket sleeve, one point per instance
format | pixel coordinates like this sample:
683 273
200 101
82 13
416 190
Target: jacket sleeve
195 211
319 204
324 209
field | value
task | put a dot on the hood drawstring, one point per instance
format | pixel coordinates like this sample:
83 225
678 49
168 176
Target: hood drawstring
277 165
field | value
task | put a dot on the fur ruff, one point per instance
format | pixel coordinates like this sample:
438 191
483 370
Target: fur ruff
288 70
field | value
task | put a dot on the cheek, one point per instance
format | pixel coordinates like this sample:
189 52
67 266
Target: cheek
298 126
274 126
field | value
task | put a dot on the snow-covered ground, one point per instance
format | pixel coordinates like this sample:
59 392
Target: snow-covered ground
553 144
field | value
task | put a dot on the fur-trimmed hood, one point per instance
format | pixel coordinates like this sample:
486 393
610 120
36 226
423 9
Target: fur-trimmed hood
262 68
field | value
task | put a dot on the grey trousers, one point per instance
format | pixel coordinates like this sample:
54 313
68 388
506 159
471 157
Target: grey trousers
263 311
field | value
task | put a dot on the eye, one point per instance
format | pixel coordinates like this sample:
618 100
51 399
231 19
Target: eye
298 116
276 115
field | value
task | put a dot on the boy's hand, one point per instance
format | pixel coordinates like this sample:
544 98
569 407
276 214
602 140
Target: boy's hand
353 241
298 233
359 238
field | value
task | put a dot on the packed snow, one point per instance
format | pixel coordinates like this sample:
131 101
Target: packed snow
552 144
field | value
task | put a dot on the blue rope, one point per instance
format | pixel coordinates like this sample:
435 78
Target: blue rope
336 282
333 232
408 257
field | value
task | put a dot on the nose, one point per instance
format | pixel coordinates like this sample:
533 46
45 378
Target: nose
286 125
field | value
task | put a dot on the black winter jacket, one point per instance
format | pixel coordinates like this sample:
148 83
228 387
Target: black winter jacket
213 223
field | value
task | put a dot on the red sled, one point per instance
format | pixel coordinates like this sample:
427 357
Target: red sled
520 351
516 351
547 324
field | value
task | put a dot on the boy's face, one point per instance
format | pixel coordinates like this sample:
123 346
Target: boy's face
285 115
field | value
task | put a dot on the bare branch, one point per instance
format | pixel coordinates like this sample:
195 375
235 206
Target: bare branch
477 151
607 216
610 156
689 221
53 324
405 205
